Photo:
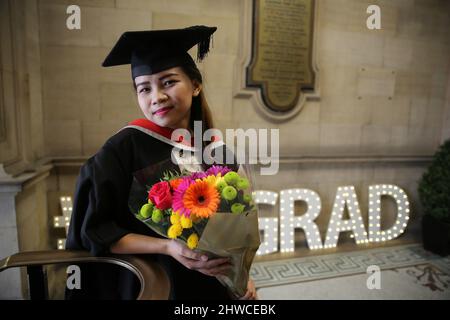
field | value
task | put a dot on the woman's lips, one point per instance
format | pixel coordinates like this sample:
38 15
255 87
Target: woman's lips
163 111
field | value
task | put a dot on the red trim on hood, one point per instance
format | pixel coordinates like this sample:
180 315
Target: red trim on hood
147 124
164 131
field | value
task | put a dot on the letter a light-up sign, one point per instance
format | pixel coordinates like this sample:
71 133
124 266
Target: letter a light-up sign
345 196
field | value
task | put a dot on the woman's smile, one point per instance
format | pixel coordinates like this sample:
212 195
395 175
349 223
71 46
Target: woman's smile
162 111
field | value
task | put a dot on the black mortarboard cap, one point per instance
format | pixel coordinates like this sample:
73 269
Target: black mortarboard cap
153 51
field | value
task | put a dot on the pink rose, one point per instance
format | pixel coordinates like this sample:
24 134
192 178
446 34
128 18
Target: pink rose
160 195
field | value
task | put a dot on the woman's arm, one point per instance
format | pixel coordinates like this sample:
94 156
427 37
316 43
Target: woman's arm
133 243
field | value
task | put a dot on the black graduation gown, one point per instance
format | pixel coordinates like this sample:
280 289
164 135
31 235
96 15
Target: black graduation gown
101 216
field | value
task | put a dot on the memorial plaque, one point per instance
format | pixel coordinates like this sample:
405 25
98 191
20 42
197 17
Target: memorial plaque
282 40
2 108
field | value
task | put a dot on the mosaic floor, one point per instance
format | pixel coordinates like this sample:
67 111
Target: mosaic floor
407 271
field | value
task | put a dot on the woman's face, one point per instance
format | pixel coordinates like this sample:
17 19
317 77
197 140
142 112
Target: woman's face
165 98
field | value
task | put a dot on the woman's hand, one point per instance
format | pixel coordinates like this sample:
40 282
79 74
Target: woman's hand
251 291
196 261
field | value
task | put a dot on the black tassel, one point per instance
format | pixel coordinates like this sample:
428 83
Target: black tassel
203 48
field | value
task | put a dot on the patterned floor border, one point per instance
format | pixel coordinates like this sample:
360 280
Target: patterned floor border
278 272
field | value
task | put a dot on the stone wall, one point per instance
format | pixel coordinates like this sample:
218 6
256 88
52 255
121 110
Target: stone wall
21 109
382 91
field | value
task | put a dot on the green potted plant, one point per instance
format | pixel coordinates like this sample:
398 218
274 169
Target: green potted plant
434 194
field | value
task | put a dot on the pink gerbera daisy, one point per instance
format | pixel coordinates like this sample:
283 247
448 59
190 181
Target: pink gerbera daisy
177 199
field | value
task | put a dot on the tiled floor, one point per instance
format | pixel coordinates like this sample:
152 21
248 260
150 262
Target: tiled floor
406 272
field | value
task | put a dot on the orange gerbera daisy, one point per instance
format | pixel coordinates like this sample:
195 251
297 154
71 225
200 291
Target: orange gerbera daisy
202 199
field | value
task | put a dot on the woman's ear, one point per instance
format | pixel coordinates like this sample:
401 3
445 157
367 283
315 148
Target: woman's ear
197 89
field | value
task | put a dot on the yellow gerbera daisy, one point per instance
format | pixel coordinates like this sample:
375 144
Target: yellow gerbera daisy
214 180
202 199
211 179
219 178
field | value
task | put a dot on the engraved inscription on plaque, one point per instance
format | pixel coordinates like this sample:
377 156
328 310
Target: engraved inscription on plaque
281 64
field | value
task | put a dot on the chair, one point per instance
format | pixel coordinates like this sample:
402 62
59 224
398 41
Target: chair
153 279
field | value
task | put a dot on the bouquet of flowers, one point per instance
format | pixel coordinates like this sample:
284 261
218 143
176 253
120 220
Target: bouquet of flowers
203 209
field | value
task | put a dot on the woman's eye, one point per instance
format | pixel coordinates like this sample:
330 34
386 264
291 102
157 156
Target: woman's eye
144 90
169 82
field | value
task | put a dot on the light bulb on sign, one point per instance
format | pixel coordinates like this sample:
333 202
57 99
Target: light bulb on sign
345 196
401 199
64 220
269 226
304 222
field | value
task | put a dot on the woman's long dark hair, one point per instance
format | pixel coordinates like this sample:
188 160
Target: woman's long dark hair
199 110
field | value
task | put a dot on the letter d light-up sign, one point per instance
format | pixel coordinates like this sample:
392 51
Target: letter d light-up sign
345 197
375 193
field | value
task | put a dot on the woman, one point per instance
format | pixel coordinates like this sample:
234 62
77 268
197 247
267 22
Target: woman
169 90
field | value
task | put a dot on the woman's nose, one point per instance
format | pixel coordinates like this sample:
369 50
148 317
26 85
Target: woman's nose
158 96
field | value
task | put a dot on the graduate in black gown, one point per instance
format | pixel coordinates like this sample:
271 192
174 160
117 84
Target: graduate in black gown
169 90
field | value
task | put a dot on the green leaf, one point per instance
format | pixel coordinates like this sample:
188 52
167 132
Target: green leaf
434 186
